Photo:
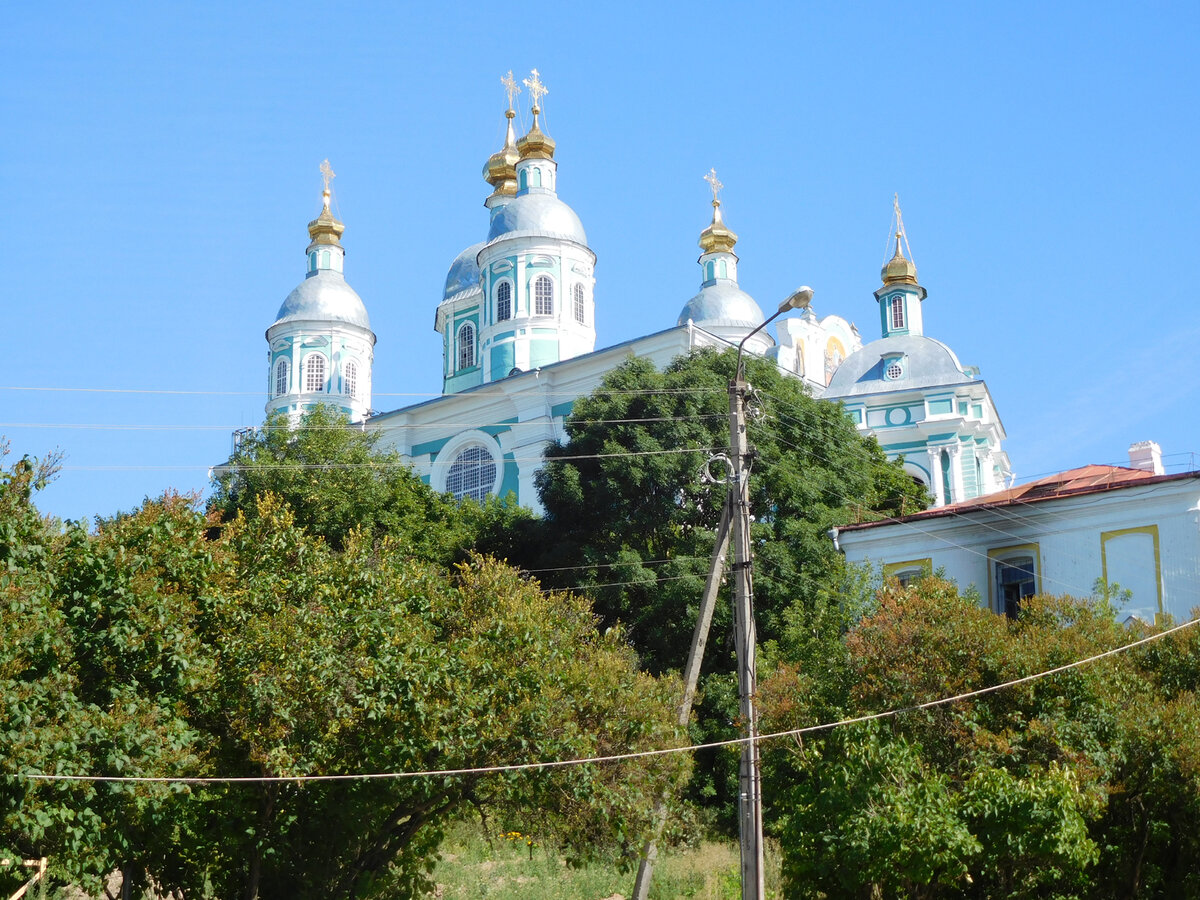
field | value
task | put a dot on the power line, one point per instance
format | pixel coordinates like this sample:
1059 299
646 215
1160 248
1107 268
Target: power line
615 757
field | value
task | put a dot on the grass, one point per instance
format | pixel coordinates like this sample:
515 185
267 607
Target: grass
508 868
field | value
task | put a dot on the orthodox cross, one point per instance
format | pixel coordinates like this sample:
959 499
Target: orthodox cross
900 232
536 89
715 184
510 87
327 175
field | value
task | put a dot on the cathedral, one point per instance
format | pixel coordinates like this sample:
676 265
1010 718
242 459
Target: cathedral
517 324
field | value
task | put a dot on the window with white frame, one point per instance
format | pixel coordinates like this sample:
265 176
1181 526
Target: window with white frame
281 377
472 474
543 296
350 379
504 301
314 373
466 346
579 307
898 311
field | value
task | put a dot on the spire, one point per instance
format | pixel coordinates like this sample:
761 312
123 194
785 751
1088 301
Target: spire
500 171
325 229
899 270
716 238
536 144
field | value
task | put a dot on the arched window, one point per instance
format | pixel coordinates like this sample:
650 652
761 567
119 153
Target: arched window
324 259
543 296
504 301
724 272
281 377
947 480
472 474
466 346
523 179
798 365
709 271
579 308
350 379
312 261
898 311
537 178
314 373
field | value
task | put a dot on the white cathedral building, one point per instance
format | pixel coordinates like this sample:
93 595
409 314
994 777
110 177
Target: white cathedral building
517 322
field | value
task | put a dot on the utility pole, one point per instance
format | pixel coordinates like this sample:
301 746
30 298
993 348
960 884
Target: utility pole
750 828
641 886
735 519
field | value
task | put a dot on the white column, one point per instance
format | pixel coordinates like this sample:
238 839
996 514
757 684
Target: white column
935 475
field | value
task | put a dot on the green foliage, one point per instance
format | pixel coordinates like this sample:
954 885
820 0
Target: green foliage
630 521
336 478
159 645
616 493
1046 789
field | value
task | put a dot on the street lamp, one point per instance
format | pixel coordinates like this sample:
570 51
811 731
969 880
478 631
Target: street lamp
750 772
798 299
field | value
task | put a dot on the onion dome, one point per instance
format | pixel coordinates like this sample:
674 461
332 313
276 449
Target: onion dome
500 171
717 238
536 144
898 269
722 305
325 229
324 297
464 272
541 215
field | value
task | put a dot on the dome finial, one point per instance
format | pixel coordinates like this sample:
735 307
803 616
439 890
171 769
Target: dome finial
536 144
899 270
716 237
500 170
325 229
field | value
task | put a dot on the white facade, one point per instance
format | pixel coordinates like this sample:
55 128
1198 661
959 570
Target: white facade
1129 527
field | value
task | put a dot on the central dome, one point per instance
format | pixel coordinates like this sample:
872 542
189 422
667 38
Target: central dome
724 305
324 297
537 215
464 272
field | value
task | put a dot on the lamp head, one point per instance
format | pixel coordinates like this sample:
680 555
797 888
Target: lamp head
799 299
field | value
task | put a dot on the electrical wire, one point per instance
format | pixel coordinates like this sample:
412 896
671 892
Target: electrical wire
614 757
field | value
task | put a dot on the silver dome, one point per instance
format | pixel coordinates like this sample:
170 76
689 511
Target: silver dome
464 272
324 297
538 215
722 304
930 363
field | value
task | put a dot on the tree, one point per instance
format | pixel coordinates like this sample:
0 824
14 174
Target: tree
630 521
336 477
633 522
1052 788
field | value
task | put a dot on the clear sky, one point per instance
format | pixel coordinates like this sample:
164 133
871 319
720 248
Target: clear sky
159 165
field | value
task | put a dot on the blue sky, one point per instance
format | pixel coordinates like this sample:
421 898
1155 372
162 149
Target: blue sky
160 164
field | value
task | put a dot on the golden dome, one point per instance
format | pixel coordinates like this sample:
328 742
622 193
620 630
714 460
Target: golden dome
500 171
899 270
536 144
717 238
325 229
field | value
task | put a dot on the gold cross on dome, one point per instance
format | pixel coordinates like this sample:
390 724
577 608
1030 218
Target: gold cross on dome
714 183
537 90
510 87
327 173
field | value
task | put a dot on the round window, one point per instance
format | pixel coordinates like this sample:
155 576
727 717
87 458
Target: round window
472 474
894 370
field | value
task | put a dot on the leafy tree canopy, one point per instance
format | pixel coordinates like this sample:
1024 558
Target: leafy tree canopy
1082 785
158 645
336 478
